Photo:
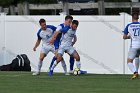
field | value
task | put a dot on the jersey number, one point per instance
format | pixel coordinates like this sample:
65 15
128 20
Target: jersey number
136 31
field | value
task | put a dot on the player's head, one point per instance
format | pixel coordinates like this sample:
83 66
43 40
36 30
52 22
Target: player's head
135 16
75 24
68 19
42 23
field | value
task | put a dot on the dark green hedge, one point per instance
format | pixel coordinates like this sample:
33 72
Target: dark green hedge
14 2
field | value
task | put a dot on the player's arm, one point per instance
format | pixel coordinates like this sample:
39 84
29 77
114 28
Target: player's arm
38 40
58 31
54 37
74 40
37 44
126 36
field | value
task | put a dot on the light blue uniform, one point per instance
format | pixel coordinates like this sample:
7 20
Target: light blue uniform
133 29
46 36
66 41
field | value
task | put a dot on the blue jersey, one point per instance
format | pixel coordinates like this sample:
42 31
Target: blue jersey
58 39
134 31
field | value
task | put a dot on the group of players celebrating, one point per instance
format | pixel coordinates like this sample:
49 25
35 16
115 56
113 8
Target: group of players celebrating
58 40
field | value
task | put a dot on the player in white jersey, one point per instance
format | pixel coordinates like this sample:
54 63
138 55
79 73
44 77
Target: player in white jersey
45 34
132 31
67 45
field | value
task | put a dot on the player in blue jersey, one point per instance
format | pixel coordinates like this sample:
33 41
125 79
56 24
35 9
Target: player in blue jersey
44 34
132 31
68 20
66 44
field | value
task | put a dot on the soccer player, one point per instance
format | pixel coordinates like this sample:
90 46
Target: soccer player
67 22
132 31
44 34
66 45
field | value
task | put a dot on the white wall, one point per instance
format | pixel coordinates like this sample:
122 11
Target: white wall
100 42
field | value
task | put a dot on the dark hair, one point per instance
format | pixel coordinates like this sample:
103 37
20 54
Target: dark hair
42 20
68 17
75 22
135 15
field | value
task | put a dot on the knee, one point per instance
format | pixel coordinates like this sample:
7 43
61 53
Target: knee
59 58
41 58
77 58
129 60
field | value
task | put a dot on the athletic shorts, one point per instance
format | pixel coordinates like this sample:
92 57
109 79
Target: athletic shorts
68 49
47 48
133 52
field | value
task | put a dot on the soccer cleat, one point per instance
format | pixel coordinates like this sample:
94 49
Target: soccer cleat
51 73
135 76
36 73
83 72
67 74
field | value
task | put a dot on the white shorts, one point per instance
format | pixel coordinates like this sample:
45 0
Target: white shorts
47 48
133 52
68 49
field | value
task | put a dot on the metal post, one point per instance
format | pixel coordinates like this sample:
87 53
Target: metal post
12 10
66 7
3 36
101 8
26 8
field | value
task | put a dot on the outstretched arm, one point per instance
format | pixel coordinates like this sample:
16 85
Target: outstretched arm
54 37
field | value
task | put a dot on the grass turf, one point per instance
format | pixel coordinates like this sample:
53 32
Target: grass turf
24 82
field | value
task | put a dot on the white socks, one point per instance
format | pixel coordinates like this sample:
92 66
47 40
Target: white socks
131 67
137 64
78 64
39 66
64 66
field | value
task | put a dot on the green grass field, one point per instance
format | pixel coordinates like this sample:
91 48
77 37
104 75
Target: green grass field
24 82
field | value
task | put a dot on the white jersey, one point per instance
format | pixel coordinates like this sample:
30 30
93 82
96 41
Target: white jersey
46 35
134 31
67 37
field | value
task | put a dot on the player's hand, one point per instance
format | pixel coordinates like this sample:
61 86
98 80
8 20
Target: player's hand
34 49
51 41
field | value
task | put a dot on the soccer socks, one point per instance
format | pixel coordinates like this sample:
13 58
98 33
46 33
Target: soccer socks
131 67
54 58
137 64
71 63
54 65
78 64
39 66
64 66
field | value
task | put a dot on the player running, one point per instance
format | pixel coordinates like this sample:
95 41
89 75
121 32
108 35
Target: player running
66 44
44 34
68 20
132 31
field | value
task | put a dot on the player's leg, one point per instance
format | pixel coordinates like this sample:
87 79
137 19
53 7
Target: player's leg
54 58
76 56
131 55
63 63
71 64
137 62
40 62
59 58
